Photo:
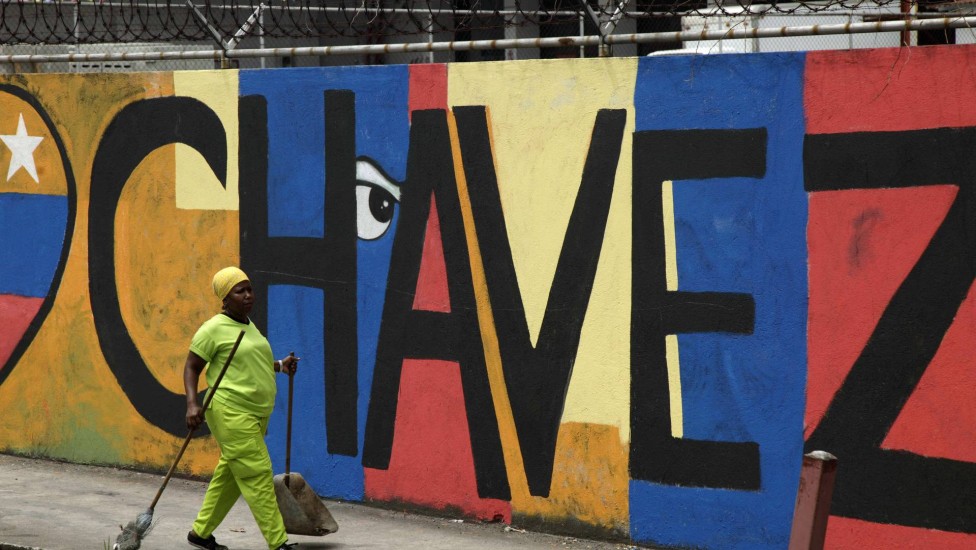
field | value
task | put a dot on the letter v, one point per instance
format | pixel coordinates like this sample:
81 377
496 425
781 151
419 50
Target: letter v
538 377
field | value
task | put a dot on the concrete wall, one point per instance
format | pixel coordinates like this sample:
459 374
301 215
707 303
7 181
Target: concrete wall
606 297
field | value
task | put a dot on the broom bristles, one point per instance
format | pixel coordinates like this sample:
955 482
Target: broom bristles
132 534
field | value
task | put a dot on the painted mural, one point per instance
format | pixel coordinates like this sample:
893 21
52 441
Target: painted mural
606 297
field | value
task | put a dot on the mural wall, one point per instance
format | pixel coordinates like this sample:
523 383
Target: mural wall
608 297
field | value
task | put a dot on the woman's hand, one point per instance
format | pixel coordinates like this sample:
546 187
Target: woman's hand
191 378
289 365
194 415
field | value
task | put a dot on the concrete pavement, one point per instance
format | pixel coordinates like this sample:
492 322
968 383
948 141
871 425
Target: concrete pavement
56 506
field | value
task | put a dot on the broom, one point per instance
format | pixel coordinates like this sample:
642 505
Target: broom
134 531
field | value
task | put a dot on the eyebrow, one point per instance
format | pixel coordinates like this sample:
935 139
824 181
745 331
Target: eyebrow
367 172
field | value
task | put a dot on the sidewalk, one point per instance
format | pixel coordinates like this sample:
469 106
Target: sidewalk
55 506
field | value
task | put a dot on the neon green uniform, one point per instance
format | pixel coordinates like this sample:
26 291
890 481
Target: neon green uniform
238 418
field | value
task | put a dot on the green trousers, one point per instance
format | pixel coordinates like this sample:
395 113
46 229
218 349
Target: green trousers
244 469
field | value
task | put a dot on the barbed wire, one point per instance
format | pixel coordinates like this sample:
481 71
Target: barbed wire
100 21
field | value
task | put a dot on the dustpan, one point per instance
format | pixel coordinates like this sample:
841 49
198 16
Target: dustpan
301 508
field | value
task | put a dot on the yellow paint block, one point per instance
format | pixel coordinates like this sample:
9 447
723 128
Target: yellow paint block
196 186
540 142
671 340
165 258
76 410
589 481
511 448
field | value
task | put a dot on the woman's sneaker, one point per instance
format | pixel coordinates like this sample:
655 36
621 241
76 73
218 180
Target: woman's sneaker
286 546
209 543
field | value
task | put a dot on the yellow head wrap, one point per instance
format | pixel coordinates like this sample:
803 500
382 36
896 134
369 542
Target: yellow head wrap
226 279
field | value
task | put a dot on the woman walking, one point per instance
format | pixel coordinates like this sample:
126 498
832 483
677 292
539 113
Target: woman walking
238 414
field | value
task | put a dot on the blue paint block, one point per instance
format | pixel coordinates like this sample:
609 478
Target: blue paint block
295 324
296 135
31 239
296 181
745 235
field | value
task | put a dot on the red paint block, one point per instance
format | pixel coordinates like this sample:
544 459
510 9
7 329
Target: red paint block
854 534
890 89
432 465
432 290
898 89
428 87
938 419
861 245
16 313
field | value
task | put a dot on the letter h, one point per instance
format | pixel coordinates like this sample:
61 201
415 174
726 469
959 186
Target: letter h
327 263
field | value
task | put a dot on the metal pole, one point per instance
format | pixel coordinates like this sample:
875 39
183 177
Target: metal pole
261 35
551 42
371 11
245 28
906 35
75 33
850 37
738 10
595 19
610 26
582 33
618 13
221 61
430 36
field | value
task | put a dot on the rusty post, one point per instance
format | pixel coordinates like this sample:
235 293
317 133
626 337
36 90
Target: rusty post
813 501
906 35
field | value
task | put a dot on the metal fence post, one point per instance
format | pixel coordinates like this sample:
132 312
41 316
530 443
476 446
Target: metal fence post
813 501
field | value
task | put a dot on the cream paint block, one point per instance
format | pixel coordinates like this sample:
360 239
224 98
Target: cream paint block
541 139
671 340
197 188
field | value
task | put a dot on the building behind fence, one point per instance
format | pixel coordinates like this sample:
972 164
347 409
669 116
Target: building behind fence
59 28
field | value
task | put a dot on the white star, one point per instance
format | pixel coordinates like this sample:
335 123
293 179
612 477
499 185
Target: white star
22 148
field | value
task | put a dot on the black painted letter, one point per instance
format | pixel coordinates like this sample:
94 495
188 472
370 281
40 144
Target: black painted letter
139 129
452 336
656 312
328 263
538 377
895 486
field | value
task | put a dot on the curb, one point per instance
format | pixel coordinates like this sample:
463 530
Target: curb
7 546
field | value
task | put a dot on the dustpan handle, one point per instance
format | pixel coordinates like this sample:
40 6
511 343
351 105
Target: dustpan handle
291 394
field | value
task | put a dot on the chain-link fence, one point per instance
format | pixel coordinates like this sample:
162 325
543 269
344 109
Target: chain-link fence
86 36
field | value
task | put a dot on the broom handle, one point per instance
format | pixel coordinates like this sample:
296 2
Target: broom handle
291 393
206 403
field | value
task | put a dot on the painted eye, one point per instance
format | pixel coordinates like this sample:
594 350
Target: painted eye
376 198
374 211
